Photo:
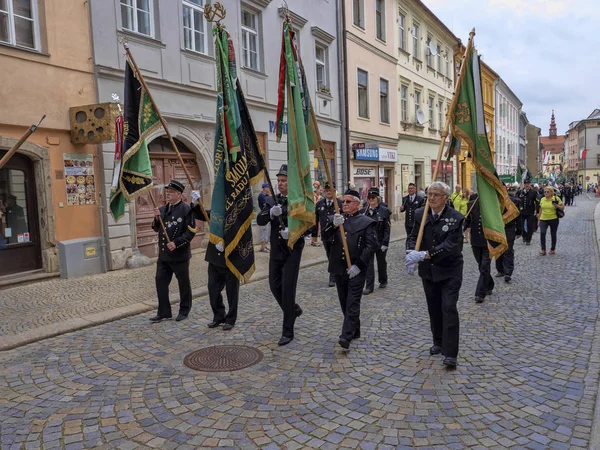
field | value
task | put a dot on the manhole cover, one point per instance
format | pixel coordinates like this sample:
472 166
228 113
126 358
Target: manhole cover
223 358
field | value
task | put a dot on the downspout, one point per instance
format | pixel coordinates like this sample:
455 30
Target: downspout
343 83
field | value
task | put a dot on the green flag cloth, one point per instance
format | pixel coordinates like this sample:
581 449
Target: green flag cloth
301 137
140 120
468 124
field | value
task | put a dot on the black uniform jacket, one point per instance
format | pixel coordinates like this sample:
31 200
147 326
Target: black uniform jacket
180 225
279 246
443 239
529 202
411 207
473 221
381 215
361 236
212 255
322 212
514 228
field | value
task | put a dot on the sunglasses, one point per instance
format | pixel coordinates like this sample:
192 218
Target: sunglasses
349 201
372 196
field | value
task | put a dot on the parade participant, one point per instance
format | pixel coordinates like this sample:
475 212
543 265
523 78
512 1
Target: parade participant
314 235
479 244
361 237
529 208
381 214
440 268
410 204
548 217
219 278
284 264
323 209
265 231
505 263
174 256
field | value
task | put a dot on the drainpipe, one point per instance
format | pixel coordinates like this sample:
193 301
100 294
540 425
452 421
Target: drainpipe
343 92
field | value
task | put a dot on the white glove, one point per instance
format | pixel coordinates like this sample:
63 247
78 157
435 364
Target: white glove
353 271
195 196
220 246
413 257
384 248
284 233
276 211
410 268
338 220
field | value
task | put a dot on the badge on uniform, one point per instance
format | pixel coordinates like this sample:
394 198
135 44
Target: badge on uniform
445 228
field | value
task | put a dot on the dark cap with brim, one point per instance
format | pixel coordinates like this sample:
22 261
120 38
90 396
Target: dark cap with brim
283 170
176 186
352 192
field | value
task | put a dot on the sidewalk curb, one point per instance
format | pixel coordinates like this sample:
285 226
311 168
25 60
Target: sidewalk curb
13 341
595 361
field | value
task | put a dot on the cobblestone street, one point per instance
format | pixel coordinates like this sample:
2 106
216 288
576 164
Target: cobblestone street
527 377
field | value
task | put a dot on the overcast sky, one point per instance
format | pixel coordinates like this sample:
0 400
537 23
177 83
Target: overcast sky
547 51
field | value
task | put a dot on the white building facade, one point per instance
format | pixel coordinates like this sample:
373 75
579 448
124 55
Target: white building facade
508 118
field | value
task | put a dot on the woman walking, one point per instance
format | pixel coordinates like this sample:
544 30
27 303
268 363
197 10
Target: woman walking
548 217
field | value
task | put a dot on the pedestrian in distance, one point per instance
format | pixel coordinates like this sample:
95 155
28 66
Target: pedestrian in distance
174 256
456 195
410 204
479 245
361 237
317 197
377 211
505 263
265 231
529 209
284 263
440 267
323 209
548 218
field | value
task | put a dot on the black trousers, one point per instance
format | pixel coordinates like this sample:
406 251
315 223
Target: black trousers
506 262
349 294
485 282
283 279
164 275
327 246
381 270
408 228
219 278
529 226
544 224
442 297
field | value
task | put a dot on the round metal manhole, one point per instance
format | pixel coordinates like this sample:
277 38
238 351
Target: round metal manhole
223 358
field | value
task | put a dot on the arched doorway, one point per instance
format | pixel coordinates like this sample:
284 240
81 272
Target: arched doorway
165 167
20 246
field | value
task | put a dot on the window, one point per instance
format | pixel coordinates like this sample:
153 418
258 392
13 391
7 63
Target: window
363 94
250 40
598 140
417 102
384 101
321 62
380 19
431 116
18 23
136 15
358 10
415 35
447 58
439 58
194 26
401 20
428 52
439 112
404 103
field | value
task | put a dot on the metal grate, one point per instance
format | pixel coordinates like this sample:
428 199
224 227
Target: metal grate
223 358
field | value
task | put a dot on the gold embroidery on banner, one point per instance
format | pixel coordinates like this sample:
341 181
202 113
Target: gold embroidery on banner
463 113
134 180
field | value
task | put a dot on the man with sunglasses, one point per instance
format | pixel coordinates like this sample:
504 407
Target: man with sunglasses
361 236
380 214
323 209
440 268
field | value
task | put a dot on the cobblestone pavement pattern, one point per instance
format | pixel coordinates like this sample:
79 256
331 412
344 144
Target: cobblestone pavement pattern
527 374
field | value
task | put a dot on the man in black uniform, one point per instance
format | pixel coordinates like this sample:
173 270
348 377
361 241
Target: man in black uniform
284 264
505 264
381 214
219 277
529 208
174 256
440 268
410 204
323 209
479 244
360 232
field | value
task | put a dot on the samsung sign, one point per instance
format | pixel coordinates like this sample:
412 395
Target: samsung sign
375 154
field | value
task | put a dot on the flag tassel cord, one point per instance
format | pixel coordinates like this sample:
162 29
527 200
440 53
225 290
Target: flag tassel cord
164 125
20 142
457 87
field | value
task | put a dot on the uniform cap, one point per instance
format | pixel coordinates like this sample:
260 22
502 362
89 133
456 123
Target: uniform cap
283 170
373 191
327 185
352 192
176 186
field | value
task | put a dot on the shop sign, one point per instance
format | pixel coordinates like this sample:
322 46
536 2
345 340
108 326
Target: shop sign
366 154
386 154
368 172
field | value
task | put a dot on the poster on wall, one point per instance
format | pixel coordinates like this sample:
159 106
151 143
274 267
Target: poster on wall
405 179
79 177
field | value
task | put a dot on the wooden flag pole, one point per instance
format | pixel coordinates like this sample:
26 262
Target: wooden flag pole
445 133
20 142
164 125
162 224
472 206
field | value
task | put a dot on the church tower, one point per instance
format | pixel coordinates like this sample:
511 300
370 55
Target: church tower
552 127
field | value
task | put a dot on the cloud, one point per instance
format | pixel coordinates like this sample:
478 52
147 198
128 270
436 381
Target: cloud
543 49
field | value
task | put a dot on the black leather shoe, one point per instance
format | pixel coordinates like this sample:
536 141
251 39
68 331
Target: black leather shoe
382 285
181 317
158 318
227 326
331 283
435 350
368 291
489 293
344 343
507 279
479 299
214 324
528 243
449 362
499 274
298 311
285 340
